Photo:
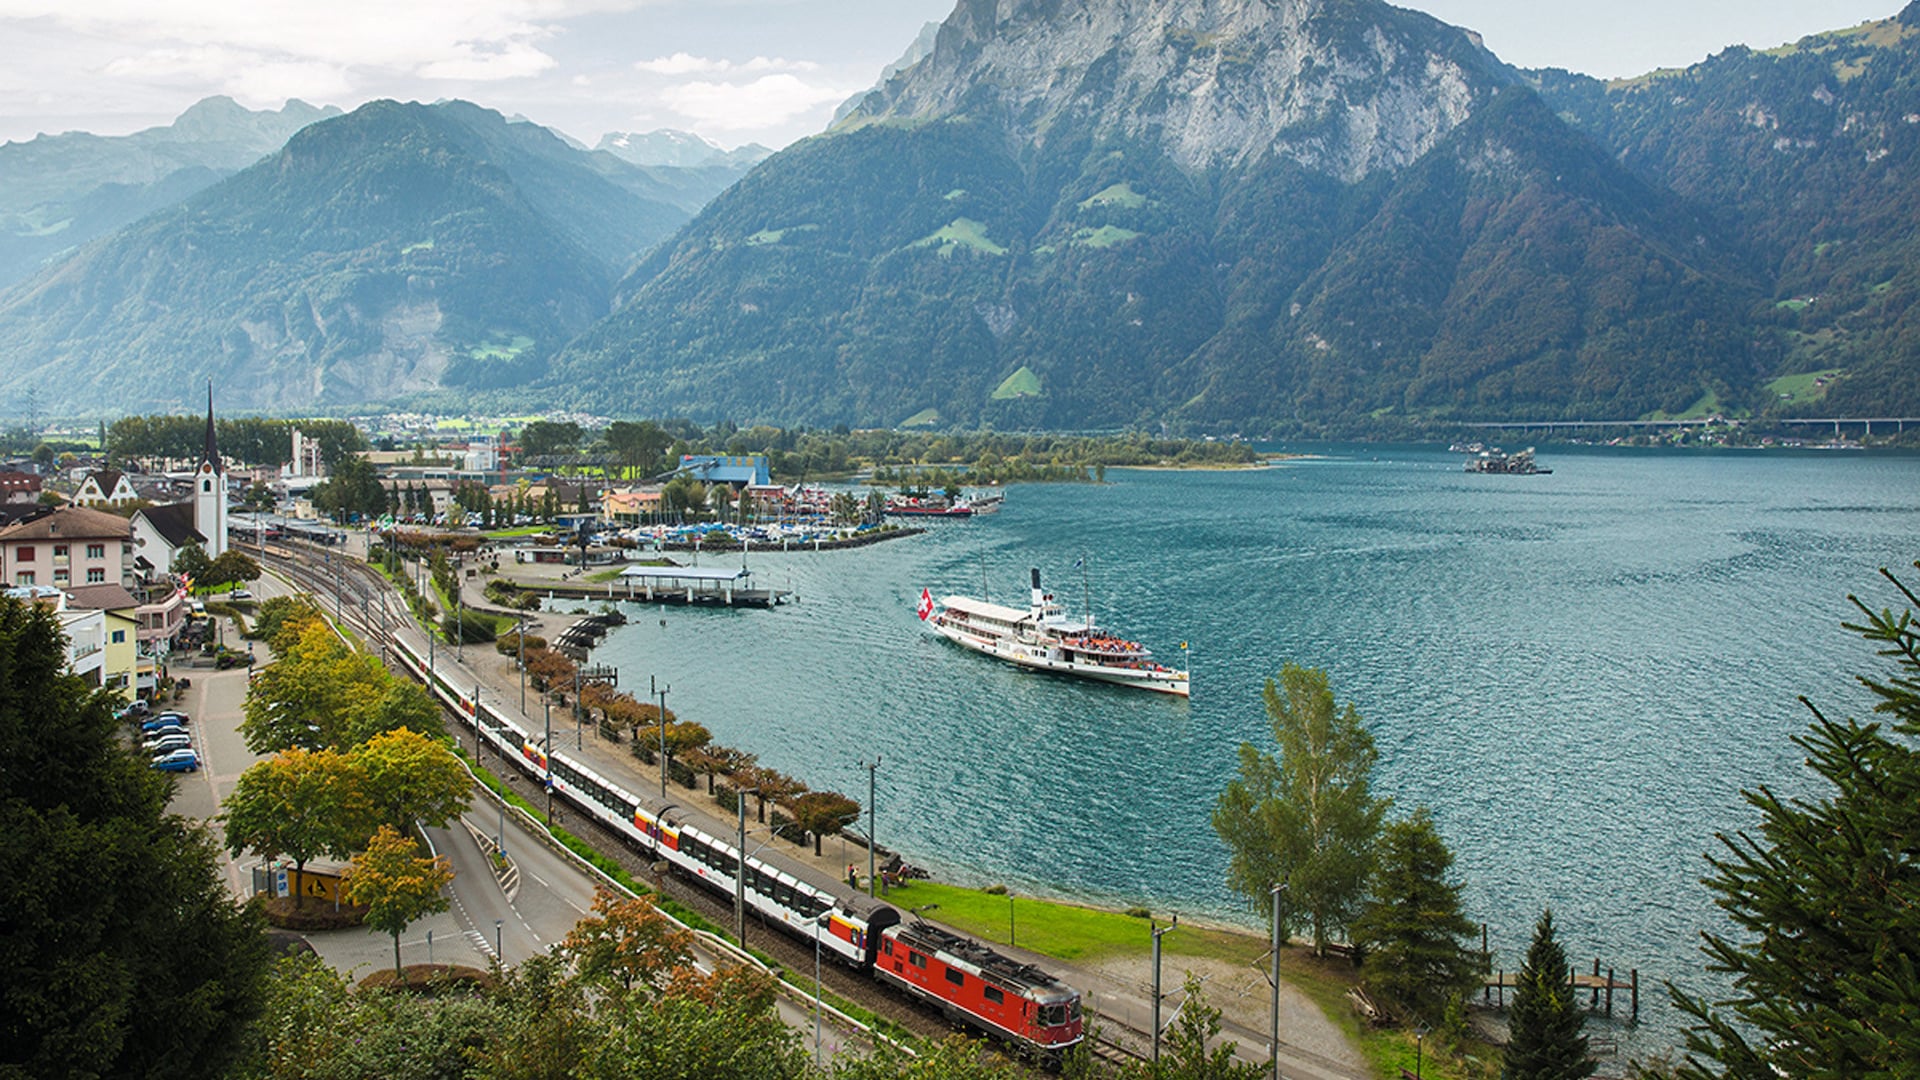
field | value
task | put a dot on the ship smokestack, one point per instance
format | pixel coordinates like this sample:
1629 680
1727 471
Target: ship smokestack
1038 597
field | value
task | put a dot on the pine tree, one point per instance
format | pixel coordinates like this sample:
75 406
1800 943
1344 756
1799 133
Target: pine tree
1412 932
1826 974
1544 1040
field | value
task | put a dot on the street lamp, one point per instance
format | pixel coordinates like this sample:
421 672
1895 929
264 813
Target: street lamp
1009 918
873 834
655 687
1157 931
1419 1039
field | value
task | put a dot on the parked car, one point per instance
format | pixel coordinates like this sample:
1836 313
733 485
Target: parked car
161 732
240 594
155 723
167 744
178 761
173 716
133 710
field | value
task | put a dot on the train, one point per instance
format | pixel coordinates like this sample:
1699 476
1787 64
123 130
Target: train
1013 1002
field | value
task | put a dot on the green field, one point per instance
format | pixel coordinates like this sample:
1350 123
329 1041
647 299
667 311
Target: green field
1022 383
923 418
961 233
1067 931
1801 389
1105 236
1120 194
499 349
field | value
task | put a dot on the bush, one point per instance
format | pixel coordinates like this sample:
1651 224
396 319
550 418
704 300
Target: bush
508 643
468 628
995 890
1139 913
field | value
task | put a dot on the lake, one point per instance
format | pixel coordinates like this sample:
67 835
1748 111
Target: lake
1577 672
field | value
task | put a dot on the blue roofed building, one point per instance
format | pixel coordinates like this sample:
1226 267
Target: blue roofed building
735 469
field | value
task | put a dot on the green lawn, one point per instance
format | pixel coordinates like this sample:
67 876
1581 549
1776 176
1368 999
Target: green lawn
1120 194
522 530
1022 383
1801 389
1105 236
1067 931
961 233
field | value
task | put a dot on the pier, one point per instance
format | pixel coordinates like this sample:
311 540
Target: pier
1599 988
711 585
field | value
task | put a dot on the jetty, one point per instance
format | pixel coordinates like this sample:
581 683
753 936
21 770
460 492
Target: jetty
1599 988
577 640
709 585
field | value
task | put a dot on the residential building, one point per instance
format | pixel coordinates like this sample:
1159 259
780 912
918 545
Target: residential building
159 532
105 487
68 546
20 487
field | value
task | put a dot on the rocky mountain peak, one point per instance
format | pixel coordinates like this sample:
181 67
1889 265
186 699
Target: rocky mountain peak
1344 87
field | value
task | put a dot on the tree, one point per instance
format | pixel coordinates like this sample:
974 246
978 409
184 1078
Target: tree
353 489
824 814
191 562
233 567
1826 974
844 508
1186 1053
544 437
314 695
626 943
1308 820
123 953
408 778
396 884
703 1026
1412 932
1544 1040
299 803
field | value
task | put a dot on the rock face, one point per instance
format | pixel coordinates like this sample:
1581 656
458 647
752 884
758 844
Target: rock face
1344 87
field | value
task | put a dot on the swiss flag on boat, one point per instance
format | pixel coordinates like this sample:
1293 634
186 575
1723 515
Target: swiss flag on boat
926 604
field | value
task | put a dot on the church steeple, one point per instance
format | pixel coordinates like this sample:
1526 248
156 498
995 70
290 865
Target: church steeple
211 456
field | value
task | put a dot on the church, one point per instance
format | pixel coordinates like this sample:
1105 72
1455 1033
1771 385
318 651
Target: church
159 532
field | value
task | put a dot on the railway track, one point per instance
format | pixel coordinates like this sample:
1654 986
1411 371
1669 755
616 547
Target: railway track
367 602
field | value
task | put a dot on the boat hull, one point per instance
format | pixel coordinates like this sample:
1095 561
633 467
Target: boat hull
1039 656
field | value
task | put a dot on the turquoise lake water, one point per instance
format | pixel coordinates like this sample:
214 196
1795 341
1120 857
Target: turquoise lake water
1578 672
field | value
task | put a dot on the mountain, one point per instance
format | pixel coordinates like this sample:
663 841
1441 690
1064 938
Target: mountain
1232 214
59 191
679 149
1810 153
399 249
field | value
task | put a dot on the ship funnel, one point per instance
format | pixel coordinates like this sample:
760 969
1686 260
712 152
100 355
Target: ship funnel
1038 596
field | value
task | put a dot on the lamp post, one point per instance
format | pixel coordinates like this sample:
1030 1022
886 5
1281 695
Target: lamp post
740 867
546 750
1009 918
520 660
1419 1041
1274 977
499 956
1157 931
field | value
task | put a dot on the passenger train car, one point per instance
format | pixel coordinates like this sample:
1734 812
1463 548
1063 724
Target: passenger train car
969 982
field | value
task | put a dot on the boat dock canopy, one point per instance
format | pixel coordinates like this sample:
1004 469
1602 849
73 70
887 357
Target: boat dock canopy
685 575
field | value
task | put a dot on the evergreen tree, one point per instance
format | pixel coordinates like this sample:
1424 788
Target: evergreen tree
1412 932
1826 973
1544 1040
121 954
1308 819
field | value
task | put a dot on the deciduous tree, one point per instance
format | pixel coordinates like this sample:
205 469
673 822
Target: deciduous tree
122 953
409 777
824 814
625 942
299 803
397 884
1308 819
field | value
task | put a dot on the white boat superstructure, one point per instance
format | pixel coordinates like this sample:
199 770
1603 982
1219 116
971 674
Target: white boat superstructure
1044 638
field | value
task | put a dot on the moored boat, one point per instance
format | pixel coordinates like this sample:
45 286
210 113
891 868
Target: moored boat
1044 638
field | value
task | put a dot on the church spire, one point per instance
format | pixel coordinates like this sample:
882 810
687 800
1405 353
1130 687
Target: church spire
211 456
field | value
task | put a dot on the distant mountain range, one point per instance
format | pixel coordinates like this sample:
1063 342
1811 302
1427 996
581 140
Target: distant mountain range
59 191
396 250
1227 215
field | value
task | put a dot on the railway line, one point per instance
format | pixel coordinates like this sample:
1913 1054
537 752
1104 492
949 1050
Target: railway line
366 604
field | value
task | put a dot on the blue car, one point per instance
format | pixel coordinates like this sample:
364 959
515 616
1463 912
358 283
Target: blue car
183 760
165 719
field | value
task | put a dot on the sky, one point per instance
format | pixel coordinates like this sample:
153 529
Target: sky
734 71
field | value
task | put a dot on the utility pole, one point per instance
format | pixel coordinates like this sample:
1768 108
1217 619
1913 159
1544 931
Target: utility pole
660 688
740 869
1274 977
873 835
1157 931
521 659
546 749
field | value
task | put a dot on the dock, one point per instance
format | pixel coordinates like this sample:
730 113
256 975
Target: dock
1599 988
711 585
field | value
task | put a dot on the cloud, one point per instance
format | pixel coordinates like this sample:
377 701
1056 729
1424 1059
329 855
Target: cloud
687 64
764 102
433 39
